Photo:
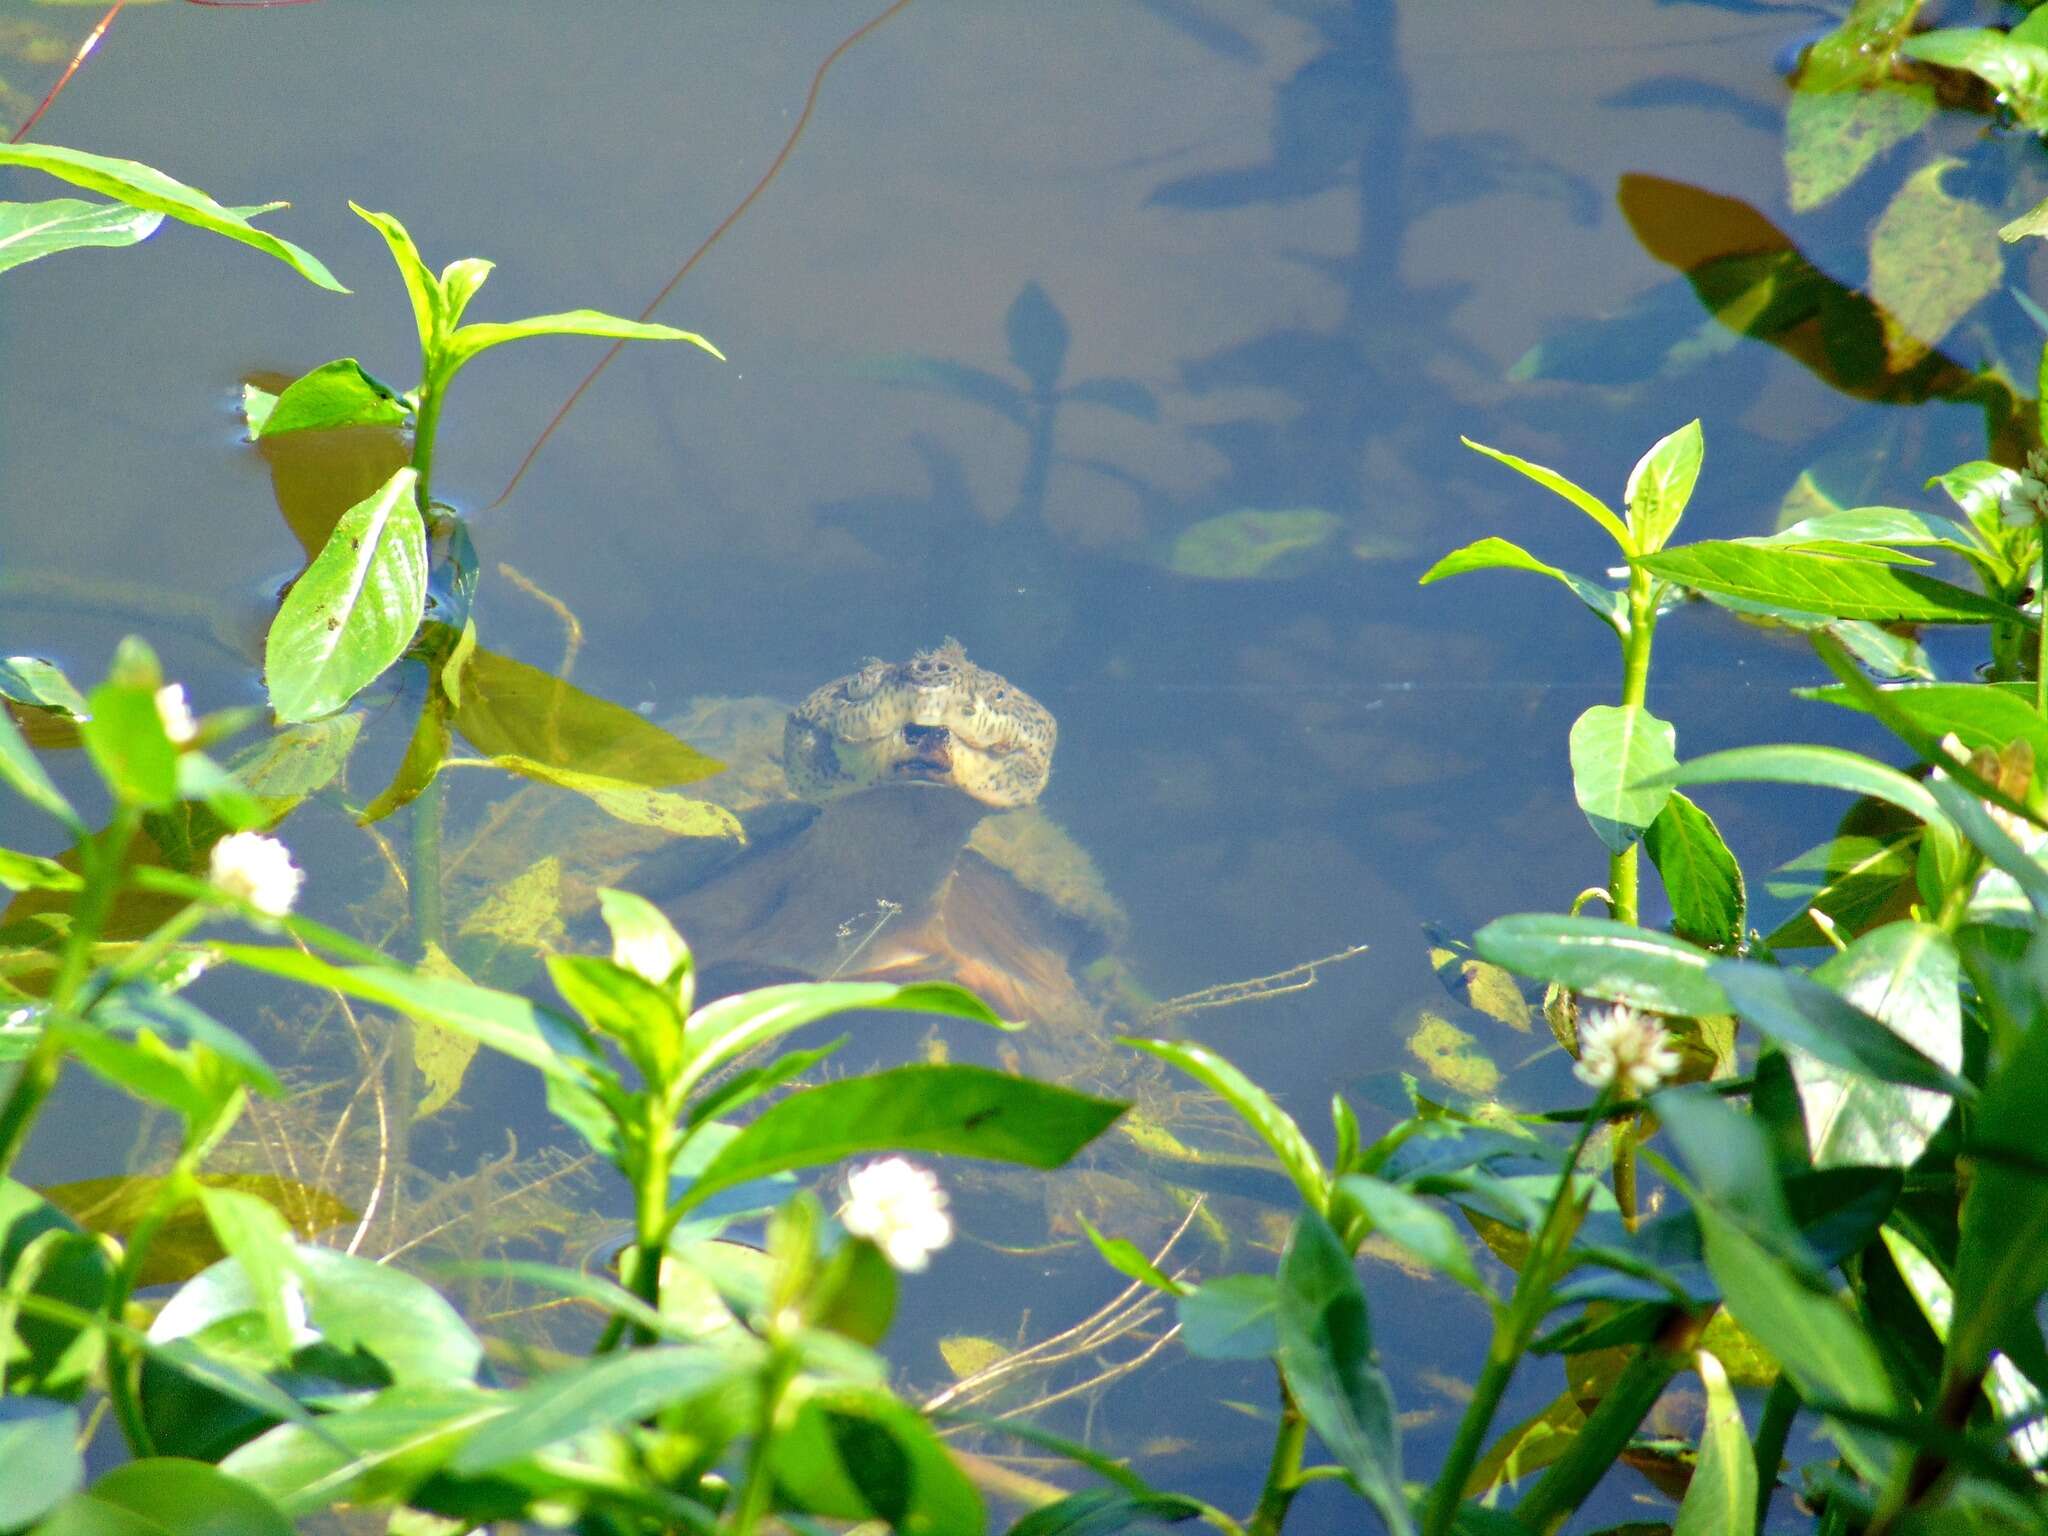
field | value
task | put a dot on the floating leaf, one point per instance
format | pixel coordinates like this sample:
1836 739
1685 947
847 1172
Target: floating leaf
1251 545
676 815
1452 1057
336 394
354 610
32 230
1846 108
40 685
1933 258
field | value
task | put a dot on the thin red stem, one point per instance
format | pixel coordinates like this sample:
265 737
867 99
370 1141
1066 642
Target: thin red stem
774 169
92 41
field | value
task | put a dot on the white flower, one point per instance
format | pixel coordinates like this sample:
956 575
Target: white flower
176 714
258 870
900 1208
1619 1045
2025 496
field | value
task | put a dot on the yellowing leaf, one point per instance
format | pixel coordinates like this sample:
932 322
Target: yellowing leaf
1933 257
671 813
965 1354
1449 1055
440 1055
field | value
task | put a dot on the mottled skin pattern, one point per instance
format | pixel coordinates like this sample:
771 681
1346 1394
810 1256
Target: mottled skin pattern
936 718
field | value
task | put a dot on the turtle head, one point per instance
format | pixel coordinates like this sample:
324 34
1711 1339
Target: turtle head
934 719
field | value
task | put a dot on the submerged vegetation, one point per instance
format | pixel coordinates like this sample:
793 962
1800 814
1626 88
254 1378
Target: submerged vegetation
1805 1171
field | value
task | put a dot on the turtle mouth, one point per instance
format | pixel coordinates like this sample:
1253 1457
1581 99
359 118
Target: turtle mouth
928 755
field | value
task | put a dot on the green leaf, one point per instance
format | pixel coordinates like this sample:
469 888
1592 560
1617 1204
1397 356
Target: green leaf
141 186
1613 750
644 941
1933 258
1796 1010
960 1110
646 1019
597 1394
676 815
1605 959
421 286
1881 525
26 776
1721 1498
32 872
354 610
336 394
1252 545
1103 1511
41 685
1826 584
253 1233
39 1459
1907 976
165 1496
1860 877
1981 714
509 709
730 1027
1661 484
1847 107
2017 71
126 740
32 230
472 339
1821 767
426 753
42 1250
1499 554
1551 480
1128 1259
857 1453
1232 1317
1709 903
1254 1106
1414 1224
1326 1355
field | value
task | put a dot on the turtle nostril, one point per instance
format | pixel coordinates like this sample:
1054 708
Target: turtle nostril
926 738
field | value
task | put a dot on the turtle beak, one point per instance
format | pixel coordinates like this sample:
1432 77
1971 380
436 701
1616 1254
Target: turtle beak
928 753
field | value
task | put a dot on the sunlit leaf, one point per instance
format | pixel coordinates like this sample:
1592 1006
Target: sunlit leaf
41 685
1231 1317
1577 495
510 709
1414 1225
32 872
39 1458
126 738
1933 258
2017 70
1721 1498
1661 484
472 339
1989 715
169 1496
31 230
1701 879
1613 750
336 394
677 815
1127 1258
1821 767
854 1452
1499 554
27 777
1252 545
1826 584
1846 107
142 186
1326 1355
1254 1106
1602 958
596 1394
354 610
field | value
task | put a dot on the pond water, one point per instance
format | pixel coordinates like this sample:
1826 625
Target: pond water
1268 258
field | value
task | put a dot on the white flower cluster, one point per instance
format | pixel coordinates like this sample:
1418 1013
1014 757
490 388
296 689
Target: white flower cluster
900 1208
176 714
1625 1047
2026 497
258 870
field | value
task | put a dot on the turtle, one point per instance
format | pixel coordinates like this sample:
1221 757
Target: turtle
903 841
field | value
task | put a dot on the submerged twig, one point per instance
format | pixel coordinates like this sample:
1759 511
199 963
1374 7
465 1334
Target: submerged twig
1259 989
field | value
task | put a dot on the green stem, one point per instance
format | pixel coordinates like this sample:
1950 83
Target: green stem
426 422
177 1190
1623 883
427 923
1781 1407
756 1485
1283 1471
1625 1133
1594 1450
2041 606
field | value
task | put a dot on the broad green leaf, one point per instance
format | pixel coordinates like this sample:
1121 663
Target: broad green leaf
142 186
1981 714
506 1023
167 1496
642 1016
125 737
1499 554
1860 877
596 1394
2017 71
459 282
30 230
676 815
1881 525
730 1027
1100 1511
1661 484
27 777
1826 584
644 941
1250 545
336 394
1847 106
1905 975
959 1110
1721 1498
1605 959
421 286
1231 1317
1326 1355
853 1452
1796 1010
1979 488
1414 1224
1128 1259
472 339
354 610
1579 497
1821 767
253 1233
40 1462
510 709
1254 1106
2033 222
44 1251
41 685
1613 750
1933 258
1701 879
32 872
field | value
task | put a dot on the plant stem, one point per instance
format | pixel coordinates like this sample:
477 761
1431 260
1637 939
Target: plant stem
1625 1133
1622 879
1283 1472
1781 1407
757 1486
179 1188
427 921
426 422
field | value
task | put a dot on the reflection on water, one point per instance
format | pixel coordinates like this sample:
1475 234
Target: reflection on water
1129 343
